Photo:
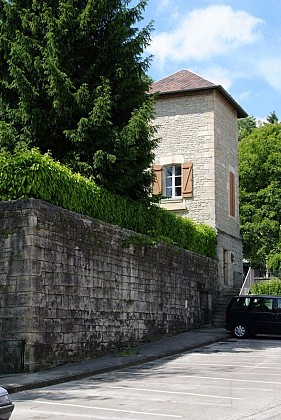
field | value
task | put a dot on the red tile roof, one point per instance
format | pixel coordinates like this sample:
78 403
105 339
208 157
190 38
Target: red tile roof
184 81
180 81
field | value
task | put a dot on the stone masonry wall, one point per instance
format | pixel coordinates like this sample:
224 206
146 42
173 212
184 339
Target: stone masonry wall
201 127
185 125
226 160
75 288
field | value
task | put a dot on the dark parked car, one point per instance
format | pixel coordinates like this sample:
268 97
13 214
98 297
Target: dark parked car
248 315
6 405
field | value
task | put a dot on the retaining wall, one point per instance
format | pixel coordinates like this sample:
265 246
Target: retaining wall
75 288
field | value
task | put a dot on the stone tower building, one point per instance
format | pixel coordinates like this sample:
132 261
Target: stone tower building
196 162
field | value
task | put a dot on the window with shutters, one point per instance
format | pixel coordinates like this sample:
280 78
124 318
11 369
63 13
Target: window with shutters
173 181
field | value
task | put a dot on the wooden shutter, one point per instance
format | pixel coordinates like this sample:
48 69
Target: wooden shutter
187 180
231 194
157 186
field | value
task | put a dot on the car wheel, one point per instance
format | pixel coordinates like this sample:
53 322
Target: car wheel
240 331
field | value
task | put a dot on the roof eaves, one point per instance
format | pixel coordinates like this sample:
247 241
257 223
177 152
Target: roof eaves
240 111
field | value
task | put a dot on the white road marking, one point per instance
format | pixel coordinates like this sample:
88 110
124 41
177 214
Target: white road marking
228 379
227 365
168 392
223 354
238 388
107 409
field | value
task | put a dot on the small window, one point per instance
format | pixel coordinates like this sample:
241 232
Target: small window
232 194
173 181
225 266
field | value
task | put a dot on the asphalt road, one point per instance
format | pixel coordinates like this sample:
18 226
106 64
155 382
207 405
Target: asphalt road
237 379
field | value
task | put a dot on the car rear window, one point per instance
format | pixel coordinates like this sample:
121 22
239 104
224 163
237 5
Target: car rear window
240 304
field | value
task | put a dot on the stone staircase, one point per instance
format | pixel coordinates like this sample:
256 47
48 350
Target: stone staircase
220 307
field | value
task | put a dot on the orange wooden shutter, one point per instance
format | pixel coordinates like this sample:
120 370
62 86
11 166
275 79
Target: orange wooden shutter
187 179
231 194
157 186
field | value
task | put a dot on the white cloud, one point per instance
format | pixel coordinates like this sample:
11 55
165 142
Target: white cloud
163 5
219 75
205 33
167 8
261 120
270 69
242 96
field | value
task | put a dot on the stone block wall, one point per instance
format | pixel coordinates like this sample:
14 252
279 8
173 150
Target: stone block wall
75 288
185 126
226 161
201 127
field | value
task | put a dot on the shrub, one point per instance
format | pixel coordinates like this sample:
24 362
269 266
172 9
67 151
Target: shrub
267 287
274 263
29 174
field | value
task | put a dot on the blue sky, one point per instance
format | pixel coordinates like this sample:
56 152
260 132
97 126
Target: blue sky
235 43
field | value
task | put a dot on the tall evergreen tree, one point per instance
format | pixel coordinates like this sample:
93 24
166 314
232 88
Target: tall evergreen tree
272 118
73 81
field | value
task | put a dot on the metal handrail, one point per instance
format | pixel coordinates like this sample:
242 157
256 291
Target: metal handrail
248 282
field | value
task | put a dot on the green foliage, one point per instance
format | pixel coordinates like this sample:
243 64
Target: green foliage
274 263
245 126
26 174
128 351
8 136
138 239
272 117
260 191
73 82
267 287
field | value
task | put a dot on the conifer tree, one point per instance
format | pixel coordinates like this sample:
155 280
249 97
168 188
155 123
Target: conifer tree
73 81
272 118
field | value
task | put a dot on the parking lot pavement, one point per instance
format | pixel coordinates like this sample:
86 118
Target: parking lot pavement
227 380
146 352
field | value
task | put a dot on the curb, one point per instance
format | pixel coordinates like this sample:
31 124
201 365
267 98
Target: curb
137 360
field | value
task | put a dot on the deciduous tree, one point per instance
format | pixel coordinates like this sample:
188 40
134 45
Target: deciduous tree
246 126
260 192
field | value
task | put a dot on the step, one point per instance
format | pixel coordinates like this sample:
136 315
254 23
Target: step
220 307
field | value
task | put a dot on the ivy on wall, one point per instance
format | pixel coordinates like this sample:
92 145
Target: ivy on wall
29 174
